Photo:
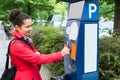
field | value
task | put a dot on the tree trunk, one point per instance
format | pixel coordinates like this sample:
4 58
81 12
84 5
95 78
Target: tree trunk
29 10
117 17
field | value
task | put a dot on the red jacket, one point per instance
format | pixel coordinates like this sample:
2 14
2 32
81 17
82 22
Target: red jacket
26 60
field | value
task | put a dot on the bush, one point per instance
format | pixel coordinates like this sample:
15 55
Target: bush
49 39
109 58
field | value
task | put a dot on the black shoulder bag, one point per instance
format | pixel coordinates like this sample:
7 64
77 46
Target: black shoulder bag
9 73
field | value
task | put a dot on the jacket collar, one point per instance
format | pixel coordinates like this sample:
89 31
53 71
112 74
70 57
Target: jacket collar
17 34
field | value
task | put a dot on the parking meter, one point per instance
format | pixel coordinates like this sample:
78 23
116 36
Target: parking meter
82 37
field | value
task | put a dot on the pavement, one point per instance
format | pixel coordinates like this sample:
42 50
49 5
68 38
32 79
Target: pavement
4 41
3 48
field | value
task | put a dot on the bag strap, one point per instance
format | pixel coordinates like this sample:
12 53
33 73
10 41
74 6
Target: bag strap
8 52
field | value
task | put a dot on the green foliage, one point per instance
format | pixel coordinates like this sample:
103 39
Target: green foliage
37 9
60 8
31 7
107 12
109 58
49 39
108 1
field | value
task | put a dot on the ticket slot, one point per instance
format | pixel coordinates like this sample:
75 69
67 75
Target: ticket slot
73 51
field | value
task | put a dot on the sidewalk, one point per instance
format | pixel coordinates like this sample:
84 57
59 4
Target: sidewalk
3 48
3 51
45 73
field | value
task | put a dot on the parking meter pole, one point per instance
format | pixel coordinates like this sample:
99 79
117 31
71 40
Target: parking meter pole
82 37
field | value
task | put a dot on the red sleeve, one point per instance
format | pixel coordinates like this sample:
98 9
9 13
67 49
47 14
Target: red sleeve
24 52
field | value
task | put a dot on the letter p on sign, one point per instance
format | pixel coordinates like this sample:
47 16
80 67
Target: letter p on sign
92 9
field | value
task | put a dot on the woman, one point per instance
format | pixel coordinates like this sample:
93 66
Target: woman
27 60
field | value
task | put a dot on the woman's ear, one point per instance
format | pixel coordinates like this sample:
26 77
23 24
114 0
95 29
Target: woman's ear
17 27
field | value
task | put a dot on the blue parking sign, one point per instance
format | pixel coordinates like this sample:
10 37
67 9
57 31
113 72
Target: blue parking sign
91 11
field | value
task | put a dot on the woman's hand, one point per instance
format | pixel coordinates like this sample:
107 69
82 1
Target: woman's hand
65 51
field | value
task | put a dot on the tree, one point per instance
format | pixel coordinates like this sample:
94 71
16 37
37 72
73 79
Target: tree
117 16
38 9
116 9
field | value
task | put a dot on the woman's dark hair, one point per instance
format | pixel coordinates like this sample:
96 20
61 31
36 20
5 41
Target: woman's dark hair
17 17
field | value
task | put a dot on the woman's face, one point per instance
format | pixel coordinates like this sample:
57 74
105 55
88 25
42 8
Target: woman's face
26 28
